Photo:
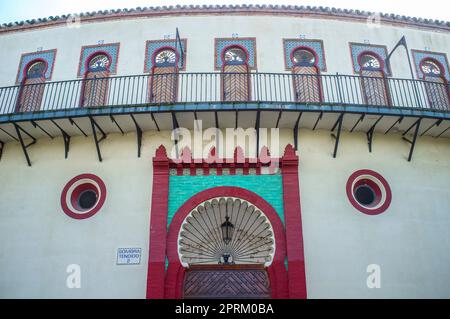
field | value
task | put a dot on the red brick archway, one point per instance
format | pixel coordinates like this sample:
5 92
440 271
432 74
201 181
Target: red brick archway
168 284
175 272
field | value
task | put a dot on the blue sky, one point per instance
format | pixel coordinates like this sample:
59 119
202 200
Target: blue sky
17 10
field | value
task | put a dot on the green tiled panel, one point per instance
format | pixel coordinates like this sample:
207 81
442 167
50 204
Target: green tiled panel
269 187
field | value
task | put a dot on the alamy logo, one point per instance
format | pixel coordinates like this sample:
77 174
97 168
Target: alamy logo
224 141
74 278
374 279
73 21
374 21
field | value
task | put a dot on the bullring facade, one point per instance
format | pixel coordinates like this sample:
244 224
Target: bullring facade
347 165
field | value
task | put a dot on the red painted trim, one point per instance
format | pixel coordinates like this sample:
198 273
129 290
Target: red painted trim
186 160
34 53
175 272
441 76
25 69
376 55
24 80
316 66
216 57
430 53
101 197
231 46
350 44
358 206
382 69
86 73
287 68
158 225
177 56
80 62
302 47
439 64
224 65
93 55
147 44
293 221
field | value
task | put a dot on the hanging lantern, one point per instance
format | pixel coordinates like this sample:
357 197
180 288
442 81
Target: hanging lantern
227 230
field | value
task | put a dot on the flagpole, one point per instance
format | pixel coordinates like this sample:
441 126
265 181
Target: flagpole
402 42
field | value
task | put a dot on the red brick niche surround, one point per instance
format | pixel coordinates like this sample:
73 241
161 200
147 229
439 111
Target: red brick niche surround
285 283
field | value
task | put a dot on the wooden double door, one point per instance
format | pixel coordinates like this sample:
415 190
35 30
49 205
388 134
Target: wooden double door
226 281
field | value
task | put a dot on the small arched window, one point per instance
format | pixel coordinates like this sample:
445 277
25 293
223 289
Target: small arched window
164 79
99 62
373 80
303 57
370 62
96 82
235 55
32 90
165 57
431 68
306 76
236 77
36 70
435 84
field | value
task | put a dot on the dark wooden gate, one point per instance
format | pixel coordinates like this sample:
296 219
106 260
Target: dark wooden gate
30 96
222 282
375 88
95 89
236 83
437 92
163 85
306 84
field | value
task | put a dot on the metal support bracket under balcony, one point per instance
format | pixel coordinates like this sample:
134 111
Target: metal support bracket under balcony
2 145
113 119
72 122
413 142
9 134
296 131
97 141
154 121
370 132
395 123
338 133
361 118
437 123
257 124
439 135
317 121
22 143
36 125
66 138
175 127
138 135
279 118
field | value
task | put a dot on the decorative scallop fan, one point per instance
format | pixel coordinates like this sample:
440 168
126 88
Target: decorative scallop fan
235 55
226 231
100 61
165 57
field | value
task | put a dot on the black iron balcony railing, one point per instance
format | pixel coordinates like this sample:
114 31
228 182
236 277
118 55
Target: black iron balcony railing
139 90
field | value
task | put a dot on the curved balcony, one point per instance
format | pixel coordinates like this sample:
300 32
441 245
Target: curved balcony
219 88
98 106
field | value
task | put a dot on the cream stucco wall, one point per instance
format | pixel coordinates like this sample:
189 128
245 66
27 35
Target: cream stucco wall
409 241
200 32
